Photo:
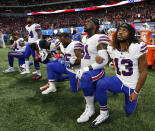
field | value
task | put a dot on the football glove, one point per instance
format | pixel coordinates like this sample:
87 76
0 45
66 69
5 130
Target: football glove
43 55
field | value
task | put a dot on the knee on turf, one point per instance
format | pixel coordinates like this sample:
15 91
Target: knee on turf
128 111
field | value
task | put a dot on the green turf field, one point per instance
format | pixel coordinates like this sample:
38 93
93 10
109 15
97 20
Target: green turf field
23 108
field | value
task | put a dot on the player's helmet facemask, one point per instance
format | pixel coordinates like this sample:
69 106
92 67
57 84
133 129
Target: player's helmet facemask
131 38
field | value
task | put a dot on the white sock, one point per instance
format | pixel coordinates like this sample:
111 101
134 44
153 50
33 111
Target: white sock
38 72
27 65
51 83
103 112
89 100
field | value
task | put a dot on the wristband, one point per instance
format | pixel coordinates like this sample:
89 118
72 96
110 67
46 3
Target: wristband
136 92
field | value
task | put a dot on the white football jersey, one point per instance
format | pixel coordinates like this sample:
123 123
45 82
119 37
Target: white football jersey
127 63
33 35
69 52
42 52
90 48
55 44
17 45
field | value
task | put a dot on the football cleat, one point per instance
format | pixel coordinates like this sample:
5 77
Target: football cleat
9 70
49 90
21 68
34 72
104 115
37 77
89 112
44 87
25 72
24 66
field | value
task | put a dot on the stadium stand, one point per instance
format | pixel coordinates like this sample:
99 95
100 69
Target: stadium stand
138 12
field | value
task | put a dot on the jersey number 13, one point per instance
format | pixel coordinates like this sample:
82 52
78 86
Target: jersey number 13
128 66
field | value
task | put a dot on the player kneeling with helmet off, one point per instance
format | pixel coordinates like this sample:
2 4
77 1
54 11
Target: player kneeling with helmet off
93 45
131 71
67 64
46 51
72 58
19 47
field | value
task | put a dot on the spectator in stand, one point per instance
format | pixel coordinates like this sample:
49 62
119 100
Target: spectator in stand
77 36
127 13
70 34
11 39
2 43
